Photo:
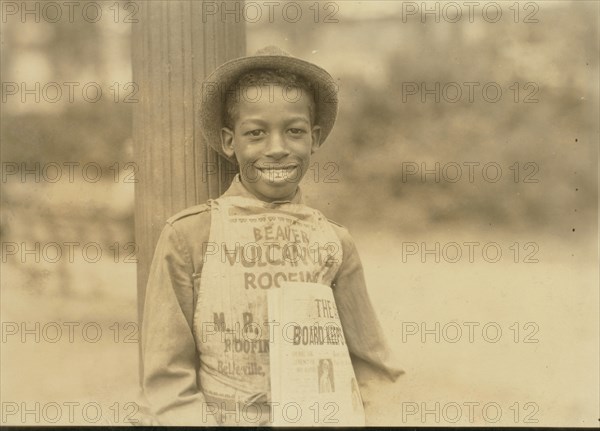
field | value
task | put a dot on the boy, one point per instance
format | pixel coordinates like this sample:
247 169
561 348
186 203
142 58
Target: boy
214 263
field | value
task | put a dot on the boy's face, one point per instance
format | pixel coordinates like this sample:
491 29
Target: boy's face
272 140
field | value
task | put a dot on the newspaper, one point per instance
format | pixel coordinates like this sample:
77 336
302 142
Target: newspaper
312 379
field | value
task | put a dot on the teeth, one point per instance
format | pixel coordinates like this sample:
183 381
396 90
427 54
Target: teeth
277 173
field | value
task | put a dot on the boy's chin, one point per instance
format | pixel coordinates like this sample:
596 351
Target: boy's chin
276 191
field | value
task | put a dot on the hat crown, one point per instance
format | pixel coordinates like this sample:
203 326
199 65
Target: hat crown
272 50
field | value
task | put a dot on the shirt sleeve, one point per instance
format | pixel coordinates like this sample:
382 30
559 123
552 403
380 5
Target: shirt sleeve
362 330
169 357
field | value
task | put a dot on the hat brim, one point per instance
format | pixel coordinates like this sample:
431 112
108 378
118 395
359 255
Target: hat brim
215 87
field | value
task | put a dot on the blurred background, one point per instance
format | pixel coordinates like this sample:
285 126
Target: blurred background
542 132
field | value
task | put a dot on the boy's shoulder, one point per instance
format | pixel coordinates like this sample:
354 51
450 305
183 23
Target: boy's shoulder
334 223
193 212
346 240
342 232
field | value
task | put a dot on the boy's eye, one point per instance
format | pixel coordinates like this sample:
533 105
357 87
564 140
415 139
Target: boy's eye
296 131
254 133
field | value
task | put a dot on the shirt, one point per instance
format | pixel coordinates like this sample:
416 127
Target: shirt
170 362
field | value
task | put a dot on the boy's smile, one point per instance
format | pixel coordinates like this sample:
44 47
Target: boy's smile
272 140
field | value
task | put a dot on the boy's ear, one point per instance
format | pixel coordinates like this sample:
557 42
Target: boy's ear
227 141
316 138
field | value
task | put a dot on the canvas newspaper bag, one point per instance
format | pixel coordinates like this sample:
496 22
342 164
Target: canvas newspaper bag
255 247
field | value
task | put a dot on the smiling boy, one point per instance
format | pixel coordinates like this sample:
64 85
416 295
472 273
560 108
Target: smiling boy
204 351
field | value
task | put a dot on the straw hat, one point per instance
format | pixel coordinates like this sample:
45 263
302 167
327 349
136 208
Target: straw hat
216 85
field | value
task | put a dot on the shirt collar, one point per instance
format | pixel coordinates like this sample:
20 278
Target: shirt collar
238 189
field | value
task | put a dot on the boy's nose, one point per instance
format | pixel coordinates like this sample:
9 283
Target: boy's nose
276 147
